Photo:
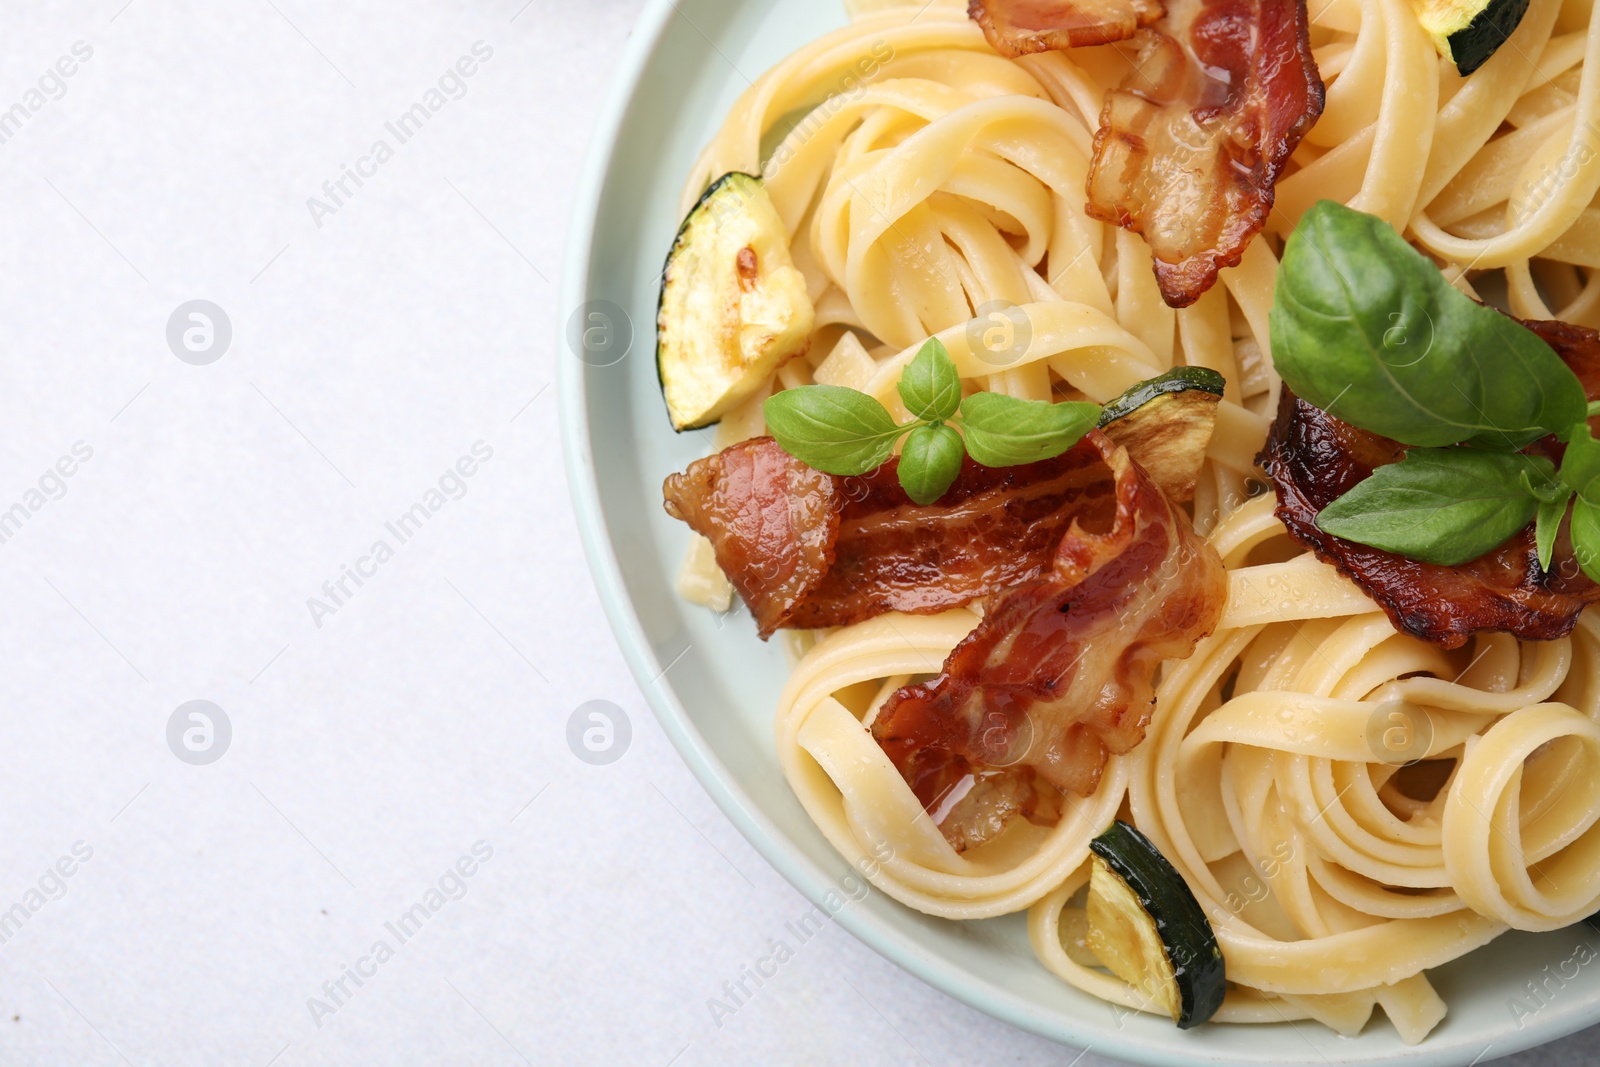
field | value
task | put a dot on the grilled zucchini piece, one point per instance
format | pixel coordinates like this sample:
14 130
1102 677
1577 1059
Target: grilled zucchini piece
1468 32
1147 927
733 307
1166 424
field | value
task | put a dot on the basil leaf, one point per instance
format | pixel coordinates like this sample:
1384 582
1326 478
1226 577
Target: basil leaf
1586 537
1580 468
929 385
1366 328
1552 495
1547 527
1002 431
1439 505
834 429
930 462
1546 490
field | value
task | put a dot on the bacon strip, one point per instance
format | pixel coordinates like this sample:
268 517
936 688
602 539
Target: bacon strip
810 550
1192 143
1094 579
1058 675
1314 458
1022 27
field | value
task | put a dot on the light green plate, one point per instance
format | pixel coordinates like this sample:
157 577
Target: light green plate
713 685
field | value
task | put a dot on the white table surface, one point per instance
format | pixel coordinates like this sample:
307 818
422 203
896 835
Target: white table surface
428 711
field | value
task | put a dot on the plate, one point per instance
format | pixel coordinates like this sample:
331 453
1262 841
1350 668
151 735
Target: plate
714 685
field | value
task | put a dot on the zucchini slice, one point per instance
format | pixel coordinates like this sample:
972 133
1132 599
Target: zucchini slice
1147 927
1166 424
1468 32
733 307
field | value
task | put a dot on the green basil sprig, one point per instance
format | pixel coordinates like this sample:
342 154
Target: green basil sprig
1366 328
846 432
1440 505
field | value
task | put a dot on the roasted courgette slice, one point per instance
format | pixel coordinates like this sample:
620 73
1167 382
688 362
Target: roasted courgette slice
733 307
1147 927
1468 32
1166 424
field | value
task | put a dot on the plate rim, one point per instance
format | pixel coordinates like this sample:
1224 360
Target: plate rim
765 837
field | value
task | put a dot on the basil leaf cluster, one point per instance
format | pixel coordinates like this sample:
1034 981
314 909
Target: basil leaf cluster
845 432
1366 328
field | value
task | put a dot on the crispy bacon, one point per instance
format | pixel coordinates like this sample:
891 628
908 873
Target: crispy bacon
1192 143
1058 675
1093 576
1313 458
810 550
1022 27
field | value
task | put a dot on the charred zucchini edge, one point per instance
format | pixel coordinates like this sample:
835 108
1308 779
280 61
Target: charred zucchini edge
1176 380
666 268
1193 955
1469 33
691 420
1166 424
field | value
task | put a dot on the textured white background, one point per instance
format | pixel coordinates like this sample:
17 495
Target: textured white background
429 712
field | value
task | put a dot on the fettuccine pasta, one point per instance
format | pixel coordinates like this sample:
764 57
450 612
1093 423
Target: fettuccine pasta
1350 805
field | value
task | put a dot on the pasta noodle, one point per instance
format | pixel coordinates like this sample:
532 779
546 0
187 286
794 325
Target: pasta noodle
1351 806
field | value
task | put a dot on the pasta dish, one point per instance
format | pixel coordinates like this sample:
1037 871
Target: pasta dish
1159 431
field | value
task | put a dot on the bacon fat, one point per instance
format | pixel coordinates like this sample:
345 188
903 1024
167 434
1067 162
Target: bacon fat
1314 458
809 550
1022 27
1093 578
1192 143
1059 674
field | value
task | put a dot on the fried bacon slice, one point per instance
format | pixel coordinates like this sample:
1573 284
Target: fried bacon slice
1192 143
1314 458
1022 27
810 550
1059 674
1093 578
